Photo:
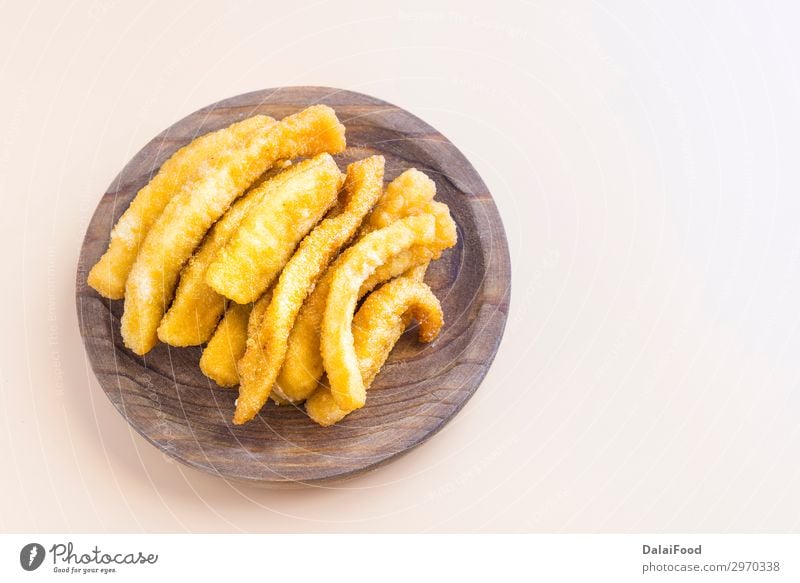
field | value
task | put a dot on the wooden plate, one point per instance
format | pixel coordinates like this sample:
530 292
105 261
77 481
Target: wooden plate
165 397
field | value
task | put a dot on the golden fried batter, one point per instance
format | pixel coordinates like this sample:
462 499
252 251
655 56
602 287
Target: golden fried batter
266 349
257 315
188 215
196 309
291 205
358 263
191 162
405 196
385 314
227 345
377 326
409 192
446 237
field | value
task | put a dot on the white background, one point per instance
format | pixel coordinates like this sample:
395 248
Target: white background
644 158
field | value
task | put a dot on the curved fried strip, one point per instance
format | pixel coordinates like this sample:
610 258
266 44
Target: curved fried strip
377 327
195 312
109 274
257 315
359 262
405 196
303 365
269 234
226 346
446 237
189 214
302 368
228 343
266 349
385 314
253 326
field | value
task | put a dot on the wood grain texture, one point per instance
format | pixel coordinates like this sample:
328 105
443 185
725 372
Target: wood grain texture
165 397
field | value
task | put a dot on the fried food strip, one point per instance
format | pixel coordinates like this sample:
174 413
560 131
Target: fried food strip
269 234
189 214
253 324
303 365
196 309
446 237
226 346
392 308
257 315
405 196
266 349
358 263
109 274
377 327
228 343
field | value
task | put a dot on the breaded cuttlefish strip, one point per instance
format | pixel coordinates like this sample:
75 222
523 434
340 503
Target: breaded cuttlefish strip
188 215
196 309
109 274
385 314
358 263
266 349
227 345
377 326
269 234
253 325
405 196
229 340
446 237
302 367
411 192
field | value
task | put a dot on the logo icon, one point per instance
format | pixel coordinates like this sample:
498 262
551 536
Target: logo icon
31 556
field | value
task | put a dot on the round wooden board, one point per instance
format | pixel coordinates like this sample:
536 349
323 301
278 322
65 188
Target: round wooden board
165 397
